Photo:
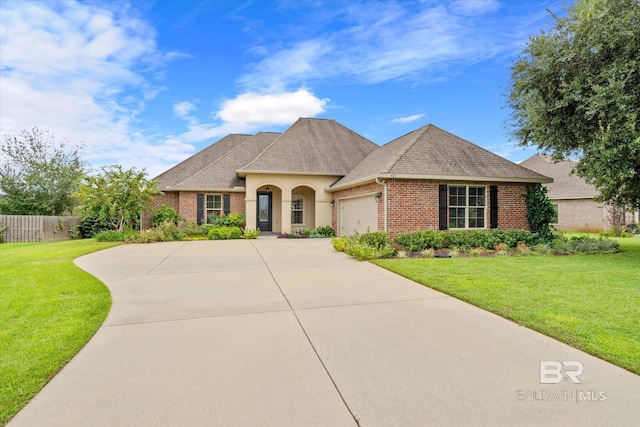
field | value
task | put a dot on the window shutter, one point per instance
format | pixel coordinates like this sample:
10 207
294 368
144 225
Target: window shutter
443 207
200 208
493 202
226 203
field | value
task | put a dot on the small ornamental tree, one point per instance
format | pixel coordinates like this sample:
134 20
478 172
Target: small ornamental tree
540 212
114 199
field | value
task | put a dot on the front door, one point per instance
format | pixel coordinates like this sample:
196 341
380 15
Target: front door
264 210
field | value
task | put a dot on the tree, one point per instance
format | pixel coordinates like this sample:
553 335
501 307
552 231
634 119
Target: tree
575 92
38 175
114 199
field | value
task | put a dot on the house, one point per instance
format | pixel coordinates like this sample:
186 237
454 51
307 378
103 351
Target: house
572 197
318 173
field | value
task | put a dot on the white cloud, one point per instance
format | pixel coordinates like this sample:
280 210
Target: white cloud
278 108
407 119
249 112
79 70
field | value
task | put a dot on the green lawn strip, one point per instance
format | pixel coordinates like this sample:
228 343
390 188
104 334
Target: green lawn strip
49 309
587 301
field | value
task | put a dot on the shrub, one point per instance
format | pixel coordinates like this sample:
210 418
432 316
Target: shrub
363 247
90 226
323 231
250 233
417 241
363 252
341 244
165 213
375 239
633 228
428 253
224 233
401 254
192 229
476 252
233 219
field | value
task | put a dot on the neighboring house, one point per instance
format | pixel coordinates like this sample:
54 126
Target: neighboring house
320 173
572 197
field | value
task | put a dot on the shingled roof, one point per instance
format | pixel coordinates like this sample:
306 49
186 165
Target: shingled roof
566 185
312 146
214 168
432 153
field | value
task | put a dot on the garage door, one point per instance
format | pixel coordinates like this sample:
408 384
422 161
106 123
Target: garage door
358 214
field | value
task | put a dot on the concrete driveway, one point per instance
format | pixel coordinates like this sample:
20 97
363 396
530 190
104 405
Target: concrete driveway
278 332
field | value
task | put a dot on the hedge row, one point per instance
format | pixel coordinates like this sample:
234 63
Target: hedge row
417 241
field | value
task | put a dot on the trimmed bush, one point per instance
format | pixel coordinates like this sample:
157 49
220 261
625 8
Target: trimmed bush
418 241
224 233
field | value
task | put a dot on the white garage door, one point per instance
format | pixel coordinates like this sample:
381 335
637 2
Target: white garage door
358 214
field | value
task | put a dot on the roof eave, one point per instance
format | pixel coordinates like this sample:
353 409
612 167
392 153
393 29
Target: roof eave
543 180
206 189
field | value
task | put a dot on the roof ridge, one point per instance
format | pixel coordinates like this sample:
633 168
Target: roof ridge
225 155
409 145
481 148
266 148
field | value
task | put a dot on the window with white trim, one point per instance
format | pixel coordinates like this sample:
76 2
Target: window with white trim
467 206
213 206
297 210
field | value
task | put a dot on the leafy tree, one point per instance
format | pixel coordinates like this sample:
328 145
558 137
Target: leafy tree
38 175
114 199
575 92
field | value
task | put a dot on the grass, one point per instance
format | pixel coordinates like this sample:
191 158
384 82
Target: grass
49 309
587 301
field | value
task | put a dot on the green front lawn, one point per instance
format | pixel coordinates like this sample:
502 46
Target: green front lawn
49 309
591 302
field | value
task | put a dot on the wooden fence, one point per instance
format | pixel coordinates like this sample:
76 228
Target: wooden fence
35 228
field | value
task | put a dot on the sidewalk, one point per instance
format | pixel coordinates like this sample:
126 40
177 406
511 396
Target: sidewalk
276 332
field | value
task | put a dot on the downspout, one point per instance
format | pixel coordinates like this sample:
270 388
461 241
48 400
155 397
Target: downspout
384 184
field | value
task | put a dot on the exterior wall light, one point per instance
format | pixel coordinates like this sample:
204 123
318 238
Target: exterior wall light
378 196
333 202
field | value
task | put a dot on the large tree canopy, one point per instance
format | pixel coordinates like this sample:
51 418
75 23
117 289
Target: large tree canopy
38 175
575 92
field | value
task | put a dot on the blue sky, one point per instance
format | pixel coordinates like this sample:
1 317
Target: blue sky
149 83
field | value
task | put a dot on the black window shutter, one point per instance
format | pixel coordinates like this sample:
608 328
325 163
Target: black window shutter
200 208
443 207
493 202
226 203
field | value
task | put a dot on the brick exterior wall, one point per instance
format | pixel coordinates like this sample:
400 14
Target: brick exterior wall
186 203
414 204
